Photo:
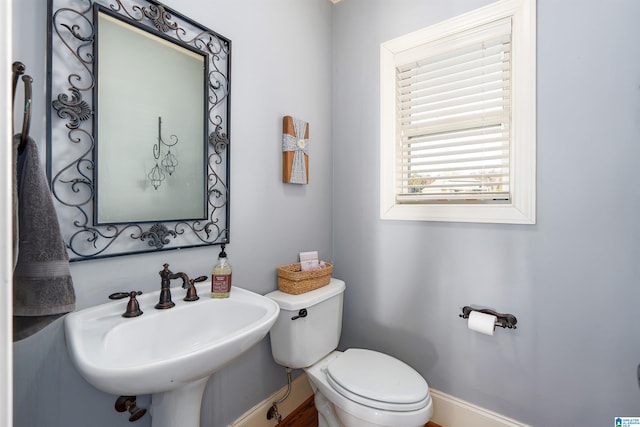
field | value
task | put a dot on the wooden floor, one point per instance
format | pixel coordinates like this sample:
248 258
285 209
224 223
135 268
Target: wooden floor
307 416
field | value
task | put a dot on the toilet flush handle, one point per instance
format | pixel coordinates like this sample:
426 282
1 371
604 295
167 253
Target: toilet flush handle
301 313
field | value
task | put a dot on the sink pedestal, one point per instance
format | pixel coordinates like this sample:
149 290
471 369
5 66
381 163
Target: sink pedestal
179 407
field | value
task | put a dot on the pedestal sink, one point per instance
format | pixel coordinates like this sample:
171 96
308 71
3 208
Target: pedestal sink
169 354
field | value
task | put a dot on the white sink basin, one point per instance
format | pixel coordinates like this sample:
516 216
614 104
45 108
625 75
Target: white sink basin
166 350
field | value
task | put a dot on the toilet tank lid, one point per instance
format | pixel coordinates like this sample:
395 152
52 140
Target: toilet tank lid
296 302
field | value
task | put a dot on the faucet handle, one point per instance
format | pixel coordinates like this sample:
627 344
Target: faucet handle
119 295
192 294
133 308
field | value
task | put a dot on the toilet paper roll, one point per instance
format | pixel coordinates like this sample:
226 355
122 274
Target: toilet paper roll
482 322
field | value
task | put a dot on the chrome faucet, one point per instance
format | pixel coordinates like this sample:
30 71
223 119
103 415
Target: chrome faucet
166 276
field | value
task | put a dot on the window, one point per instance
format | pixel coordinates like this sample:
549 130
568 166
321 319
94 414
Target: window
458 118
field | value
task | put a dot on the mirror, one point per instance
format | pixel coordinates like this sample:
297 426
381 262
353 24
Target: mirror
137 146
165 171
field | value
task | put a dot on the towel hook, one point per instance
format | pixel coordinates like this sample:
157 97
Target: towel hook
18 70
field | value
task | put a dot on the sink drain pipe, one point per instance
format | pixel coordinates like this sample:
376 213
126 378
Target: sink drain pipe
273 411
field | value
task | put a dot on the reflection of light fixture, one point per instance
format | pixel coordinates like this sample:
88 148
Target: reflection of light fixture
156 176
169 161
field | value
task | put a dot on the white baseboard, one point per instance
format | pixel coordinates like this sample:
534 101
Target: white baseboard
257 416
449 411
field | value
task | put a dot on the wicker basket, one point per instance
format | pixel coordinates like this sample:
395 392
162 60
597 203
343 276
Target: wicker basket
292 280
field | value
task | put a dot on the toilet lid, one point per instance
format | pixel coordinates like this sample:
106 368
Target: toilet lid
378 380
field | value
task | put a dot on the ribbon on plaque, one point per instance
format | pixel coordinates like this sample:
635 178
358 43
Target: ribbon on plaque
295 151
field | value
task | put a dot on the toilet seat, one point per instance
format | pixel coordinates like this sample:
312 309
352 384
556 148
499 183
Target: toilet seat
377 380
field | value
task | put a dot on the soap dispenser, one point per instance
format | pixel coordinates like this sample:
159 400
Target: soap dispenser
221 277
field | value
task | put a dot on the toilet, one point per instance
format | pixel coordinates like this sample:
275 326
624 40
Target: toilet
352 388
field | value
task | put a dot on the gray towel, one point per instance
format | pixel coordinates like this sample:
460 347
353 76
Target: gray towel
14 196
42 285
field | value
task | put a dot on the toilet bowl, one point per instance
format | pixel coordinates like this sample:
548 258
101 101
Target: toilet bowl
354 388
363 388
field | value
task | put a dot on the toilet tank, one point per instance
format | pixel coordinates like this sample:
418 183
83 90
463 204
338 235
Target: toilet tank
299 340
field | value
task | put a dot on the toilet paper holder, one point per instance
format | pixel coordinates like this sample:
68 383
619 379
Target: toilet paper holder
504 320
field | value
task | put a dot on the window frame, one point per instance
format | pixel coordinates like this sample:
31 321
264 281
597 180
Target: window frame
521 208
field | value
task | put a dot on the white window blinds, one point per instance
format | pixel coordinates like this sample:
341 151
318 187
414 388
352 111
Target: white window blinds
453 104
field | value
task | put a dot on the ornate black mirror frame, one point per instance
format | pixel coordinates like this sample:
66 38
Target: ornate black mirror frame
71 117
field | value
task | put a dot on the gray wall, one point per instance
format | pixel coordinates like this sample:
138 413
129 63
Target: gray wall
571 279
282 64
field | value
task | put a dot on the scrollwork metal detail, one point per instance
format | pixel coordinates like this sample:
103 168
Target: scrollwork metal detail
72 108
160 17
158 236
71 148
218 140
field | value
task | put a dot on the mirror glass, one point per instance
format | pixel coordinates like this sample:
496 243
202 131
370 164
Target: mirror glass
151 149
137 149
